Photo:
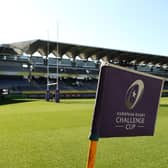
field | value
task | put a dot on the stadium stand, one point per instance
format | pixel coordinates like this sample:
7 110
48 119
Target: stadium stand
23 67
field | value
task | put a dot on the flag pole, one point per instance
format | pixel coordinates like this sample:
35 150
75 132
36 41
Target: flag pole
91 154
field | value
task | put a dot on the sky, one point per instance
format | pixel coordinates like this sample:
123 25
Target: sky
133 25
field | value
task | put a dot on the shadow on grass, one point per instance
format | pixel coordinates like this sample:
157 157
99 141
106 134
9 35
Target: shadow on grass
163 105
77 101
14 101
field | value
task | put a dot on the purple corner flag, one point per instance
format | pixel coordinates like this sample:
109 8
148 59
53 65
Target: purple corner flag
126 104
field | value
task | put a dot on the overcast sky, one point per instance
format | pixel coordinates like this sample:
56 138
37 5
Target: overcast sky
134 25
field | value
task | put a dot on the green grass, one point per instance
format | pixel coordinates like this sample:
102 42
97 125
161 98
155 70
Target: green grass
39 134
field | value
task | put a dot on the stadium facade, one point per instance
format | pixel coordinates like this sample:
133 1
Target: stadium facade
25 67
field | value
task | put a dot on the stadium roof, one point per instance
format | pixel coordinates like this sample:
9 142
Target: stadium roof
84 52
5 50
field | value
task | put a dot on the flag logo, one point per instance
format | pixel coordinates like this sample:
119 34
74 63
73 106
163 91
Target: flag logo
134 94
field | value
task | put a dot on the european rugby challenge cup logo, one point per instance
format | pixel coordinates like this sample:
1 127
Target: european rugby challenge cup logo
134 94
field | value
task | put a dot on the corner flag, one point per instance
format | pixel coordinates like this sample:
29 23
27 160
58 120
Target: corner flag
126 103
